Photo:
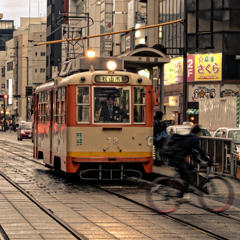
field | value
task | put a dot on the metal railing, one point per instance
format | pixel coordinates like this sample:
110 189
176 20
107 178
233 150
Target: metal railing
221 150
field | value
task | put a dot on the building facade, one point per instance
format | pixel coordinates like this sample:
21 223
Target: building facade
67 19
25 66
212 28
6 32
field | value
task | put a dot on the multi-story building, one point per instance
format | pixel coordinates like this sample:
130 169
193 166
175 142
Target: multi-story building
2 71
6 32
25 66
66 19
212 28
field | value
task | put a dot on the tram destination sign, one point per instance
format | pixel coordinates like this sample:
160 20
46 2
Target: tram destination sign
111 79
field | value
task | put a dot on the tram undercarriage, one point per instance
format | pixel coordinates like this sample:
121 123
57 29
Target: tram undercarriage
107 171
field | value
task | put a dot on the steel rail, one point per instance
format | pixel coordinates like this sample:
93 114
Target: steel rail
44 209
194 227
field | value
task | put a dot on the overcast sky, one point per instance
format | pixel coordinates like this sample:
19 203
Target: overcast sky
14 9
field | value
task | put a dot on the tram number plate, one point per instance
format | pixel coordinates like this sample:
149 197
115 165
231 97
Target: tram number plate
111 79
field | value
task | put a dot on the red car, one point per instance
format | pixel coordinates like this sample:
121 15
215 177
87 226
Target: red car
24 131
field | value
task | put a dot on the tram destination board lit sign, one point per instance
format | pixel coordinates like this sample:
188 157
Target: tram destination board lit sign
111 79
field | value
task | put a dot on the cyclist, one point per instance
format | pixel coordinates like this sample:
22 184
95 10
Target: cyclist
179 148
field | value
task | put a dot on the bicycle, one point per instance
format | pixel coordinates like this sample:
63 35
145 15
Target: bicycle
214 193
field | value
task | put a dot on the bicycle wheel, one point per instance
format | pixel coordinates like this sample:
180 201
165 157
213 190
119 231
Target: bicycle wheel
163 194
217 194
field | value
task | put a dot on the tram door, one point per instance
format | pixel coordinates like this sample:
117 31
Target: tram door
50 125
35 126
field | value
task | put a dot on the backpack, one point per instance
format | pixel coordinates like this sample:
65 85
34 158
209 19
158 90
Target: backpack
172 145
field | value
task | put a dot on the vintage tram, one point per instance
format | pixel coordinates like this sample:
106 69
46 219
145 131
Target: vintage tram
76 131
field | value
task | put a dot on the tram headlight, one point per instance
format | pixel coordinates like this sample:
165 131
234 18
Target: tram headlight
111 66
91 53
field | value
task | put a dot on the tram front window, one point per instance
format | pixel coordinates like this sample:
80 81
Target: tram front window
111 104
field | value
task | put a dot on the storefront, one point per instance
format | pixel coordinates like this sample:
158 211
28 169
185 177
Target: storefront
204 80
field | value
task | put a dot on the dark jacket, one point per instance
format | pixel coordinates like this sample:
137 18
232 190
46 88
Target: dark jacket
180 146
107 116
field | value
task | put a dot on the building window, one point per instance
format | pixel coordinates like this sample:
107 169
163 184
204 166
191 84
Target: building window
3 72
42 70
9 66
35 53
35 70
42 54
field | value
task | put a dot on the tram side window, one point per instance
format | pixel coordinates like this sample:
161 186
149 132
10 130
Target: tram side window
139 104
83 104
60 106
43 103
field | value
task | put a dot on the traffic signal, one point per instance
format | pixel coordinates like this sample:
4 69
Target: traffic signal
3 96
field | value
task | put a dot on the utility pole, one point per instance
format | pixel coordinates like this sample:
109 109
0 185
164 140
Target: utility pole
185 50
26 91
5 97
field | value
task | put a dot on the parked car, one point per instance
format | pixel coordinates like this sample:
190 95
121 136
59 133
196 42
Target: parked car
234 134
24 131
185 129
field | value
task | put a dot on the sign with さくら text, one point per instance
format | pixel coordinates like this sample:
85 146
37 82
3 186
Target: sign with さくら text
208 67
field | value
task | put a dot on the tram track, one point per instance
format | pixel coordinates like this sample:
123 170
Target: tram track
173 218
178 220
73 232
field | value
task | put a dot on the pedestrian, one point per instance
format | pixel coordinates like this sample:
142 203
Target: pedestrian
160 135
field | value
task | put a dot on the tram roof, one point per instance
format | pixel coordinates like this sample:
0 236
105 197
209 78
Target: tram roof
44 86
88 78
83 64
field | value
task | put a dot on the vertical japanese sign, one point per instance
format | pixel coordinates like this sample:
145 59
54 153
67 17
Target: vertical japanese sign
190 68
208 67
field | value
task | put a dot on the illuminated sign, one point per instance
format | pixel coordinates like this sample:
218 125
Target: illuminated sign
208 67
111 79
200 67
173 71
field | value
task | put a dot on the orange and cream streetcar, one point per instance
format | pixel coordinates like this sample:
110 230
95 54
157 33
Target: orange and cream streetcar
95 119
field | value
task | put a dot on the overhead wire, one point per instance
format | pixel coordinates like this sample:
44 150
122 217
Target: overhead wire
110 33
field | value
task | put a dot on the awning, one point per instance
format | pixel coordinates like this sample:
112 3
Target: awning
192 111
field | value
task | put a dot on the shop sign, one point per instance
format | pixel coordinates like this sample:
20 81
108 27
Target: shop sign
200 67
208 67
173 101
173 71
